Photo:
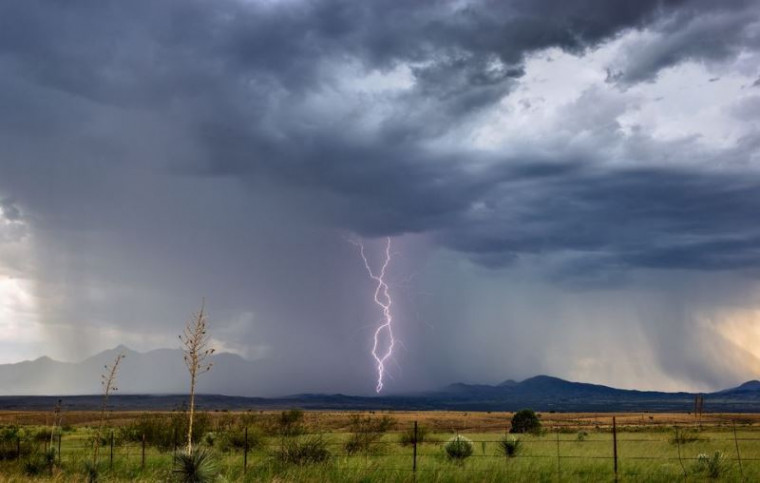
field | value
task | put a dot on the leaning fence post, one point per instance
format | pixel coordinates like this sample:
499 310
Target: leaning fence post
414 449
245 452
738 454
110 463
59 448
18 447
142 459
614 446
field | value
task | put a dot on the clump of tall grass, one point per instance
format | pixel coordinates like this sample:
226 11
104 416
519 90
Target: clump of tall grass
684 437
458 448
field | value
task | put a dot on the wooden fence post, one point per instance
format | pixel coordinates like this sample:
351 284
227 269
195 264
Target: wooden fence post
245 452
142 459
614 446
110 463
60 435
559 470
414 450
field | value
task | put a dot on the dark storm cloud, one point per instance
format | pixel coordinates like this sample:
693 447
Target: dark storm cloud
236 77
701 31
656 218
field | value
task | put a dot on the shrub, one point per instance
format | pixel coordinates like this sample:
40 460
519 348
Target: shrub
234 439
164 432
39 462
366 431
713 465
525 421
306 451
581 436
509 446
290 423
197 466
407 437
11 438
458 448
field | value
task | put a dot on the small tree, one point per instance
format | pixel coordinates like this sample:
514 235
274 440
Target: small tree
525 421
195 341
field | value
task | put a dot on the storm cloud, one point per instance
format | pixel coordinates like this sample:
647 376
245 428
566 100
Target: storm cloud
154 152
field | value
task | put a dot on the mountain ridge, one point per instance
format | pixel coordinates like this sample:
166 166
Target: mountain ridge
158 379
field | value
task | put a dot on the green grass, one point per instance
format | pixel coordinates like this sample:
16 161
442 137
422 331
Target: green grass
650 456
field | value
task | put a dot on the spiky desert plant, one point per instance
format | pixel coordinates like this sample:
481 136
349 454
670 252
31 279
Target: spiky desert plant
108 381
509 446
195 341
195 467
458 448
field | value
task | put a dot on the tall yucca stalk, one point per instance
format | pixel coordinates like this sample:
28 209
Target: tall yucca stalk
108 381
195 342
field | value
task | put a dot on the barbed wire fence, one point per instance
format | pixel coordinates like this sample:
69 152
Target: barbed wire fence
558 442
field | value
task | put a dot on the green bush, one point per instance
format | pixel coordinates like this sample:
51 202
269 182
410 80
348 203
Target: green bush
39 462
234 439
309 450
290 423
407 437
458 448
509 446
11 438
525 421
164 432
365 432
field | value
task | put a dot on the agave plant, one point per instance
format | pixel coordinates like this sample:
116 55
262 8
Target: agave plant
197 466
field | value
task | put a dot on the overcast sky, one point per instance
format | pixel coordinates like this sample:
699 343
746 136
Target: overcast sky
571 187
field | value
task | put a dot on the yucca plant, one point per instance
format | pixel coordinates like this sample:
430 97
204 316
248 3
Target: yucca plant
195 340
458 448
714 465
509 446
197 466
108 381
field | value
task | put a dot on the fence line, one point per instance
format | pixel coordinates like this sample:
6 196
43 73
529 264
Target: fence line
122 452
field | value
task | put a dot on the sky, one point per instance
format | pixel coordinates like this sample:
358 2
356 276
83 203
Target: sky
571 187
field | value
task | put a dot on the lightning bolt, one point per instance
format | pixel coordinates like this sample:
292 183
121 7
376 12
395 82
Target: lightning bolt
383 300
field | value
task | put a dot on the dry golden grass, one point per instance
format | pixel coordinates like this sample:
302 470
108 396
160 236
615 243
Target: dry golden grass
435 420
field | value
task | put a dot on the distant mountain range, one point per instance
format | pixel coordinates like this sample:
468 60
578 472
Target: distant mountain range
161 377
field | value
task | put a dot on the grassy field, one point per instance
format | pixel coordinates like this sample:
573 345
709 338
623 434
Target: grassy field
571 447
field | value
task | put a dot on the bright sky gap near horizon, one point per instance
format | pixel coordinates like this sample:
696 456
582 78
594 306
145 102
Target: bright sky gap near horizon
572 187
